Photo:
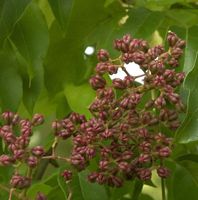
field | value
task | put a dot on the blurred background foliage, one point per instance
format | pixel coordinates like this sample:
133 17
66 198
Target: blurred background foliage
44 68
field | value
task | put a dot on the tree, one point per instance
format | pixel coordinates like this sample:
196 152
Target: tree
45 69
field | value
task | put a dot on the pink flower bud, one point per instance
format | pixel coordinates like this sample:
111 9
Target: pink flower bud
6 160
118 83
40 196
103 55
163 172
38 151
97 82
144 174
37 119
67 175
20 182
164 152
32 161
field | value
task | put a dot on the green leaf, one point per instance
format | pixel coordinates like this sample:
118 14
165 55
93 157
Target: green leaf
65 61
141 23
108 2
62 184
84 190
32 44
79 97
188 130
183 185
161 4
38 187
62 10
10 12
137 189
10 82
191 48
62 108
56 193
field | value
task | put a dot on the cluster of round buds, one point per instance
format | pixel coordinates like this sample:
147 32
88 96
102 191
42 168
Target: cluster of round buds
124 130
16 134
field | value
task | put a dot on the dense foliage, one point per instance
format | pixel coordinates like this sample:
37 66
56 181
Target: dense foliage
44 69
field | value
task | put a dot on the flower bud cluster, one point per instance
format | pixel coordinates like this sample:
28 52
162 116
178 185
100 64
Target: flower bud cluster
126 133
16 134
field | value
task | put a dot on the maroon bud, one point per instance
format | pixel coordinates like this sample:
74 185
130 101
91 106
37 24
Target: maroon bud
68 125
134 45
138 57
22 141
67 175
118 44
37 119
155 51
103 165
173 97
144 158
64 134
169 74
164 152
103 55
20 182
25 122
77 160
127 58
180 76
157 66
127 39
116 114
160 102
90 152
112 69
8 137
101 178
32 161
97 82
124 166
7 116
118 83
13 147
159 81
126 155
172 38
37 151
143 133
101 68
26 131
129 80
40 196
163 172
145 146
107 133
6 160
56 125
19 154
180 43
176 53
92 176
116 181
173 62
144 174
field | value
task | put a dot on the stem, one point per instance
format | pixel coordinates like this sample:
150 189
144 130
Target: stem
126 72
163 189
10 193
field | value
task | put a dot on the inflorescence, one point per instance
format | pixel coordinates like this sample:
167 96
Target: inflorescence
128 131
